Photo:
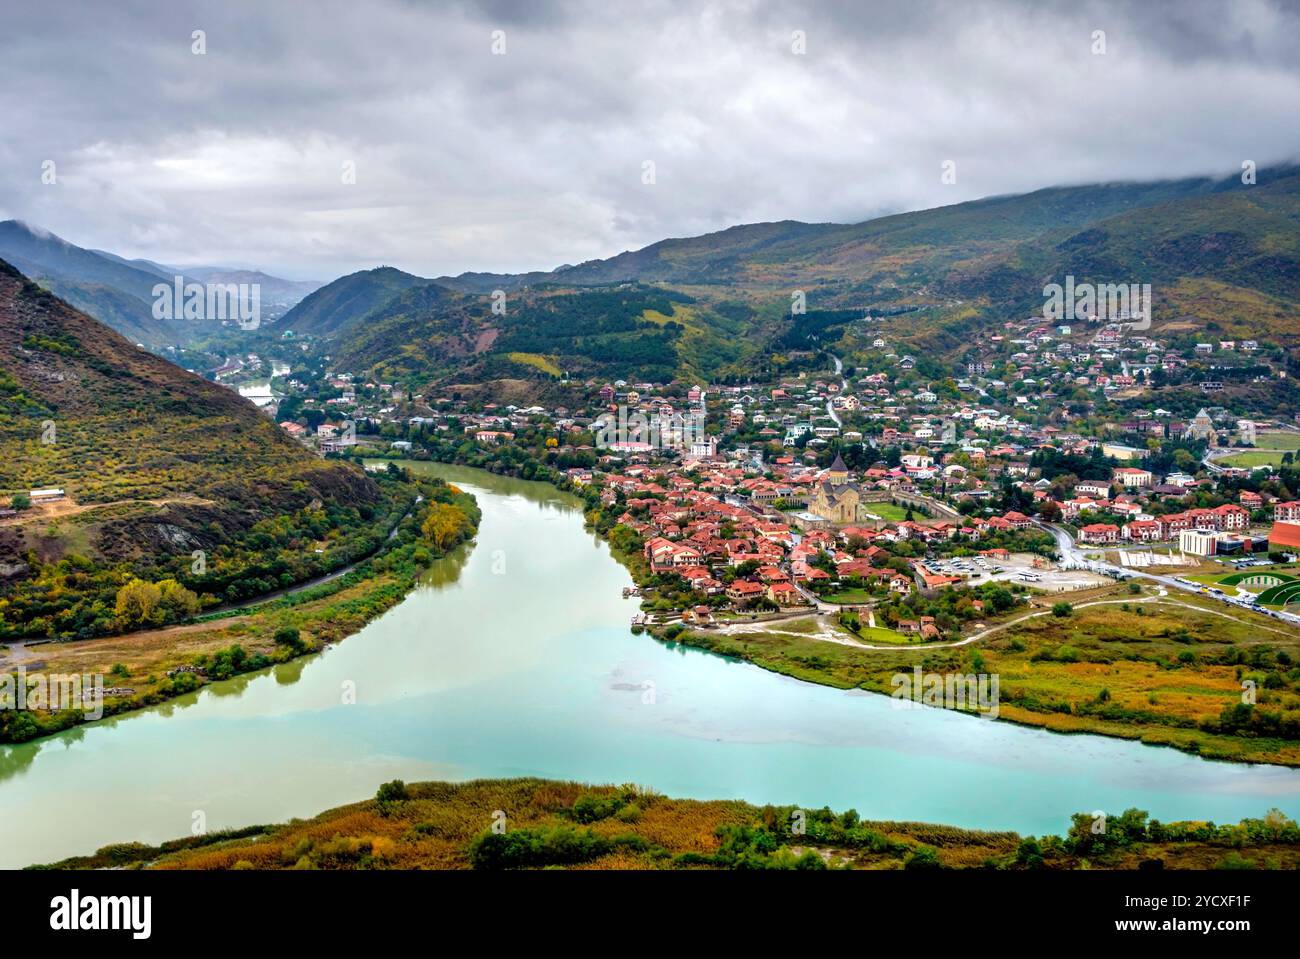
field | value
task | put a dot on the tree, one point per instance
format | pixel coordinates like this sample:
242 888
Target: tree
20 501
288 636
137 603
445 525
1061 610
176 601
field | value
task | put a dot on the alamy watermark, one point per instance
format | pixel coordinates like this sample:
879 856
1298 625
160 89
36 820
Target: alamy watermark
659 431
54 692
976 692
1126 303
241 302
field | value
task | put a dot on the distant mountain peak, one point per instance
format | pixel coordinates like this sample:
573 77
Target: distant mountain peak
39 232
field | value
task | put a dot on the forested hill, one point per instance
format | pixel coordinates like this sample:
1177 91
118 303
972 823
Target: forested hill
1215 251
157 466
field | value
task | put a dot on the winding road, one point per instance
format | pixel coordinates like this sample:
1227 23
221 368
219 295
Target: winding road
844 385
316 580
1070 553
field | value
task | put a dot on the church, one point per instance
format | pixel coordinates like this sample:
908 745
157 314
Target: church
835 498
1202 428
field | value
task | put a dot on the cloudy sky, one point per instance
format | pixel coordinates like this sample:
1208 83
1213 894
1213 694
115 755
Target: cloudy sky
466 158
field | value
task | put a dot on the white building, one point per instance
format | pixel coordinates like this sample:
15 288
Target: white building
703 447
1198 542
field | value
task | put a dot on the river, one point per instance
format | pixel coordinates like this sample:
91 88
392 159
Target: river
514 658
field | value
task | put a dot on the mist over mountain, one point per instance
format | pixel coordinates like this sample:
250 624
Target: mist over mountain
120 292
1216 251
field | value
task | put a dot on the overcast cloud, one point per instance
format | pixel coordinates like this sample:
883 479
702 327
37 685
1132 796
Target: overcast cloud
467 160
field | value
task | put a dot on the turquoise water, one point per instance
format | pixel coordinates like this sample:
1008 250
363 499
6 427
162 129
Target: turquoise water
515 659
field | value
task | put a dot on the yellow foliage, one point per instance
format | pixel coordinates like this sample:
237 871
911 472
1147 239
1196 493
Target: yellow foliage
444 525
137 602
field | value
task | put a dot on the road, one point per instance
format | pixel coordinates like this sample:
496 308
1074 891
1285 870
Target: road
844 385
821 605
317 580
828 633
1072 555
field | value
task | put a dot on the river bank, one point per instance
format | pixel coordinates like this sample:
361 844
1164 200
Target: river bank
1172 678
514 658
568 825
149 667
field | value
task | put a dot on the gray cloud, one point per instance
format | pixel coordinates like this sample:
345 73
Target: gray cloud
467 160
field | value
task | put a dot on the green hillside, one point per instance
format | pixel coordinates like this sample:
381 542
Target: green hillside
1218 254
114 291
430 333
335 307
156 464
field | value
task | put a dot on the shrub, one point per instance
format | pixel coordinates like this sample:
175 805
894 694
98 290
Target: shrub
590 807
1234 860
922 857
541 846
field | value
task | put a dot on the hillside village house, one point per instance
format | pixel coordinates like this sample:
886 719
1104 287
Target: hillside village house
679 502
1093 488
1287 512
1131 477
1099 533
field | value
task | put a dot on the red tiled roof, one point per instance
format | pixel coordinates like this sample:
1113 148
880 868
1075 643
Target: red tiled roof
1285 534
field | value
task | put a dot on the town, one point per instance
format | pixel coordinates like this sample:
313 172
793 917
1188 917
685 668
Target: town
1033 466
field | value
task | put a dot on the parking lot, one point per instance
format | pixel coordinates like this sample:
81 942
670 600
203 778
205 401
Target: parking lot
1018 568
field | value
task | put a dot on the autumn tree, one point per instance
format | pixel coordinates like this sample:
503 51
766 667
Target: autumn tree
445 525
137 602
176 601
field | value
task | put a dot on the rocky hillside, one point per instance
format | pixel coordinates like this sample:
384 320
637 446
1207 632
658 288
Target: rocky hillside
156 464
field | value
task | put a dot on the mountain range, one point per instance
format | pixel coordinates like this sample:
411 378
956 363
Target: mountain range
119 292
1220 255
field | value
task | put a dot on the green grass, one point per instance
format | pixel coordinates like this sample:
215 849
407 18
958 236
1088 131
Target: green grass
1253 458
1281 595
1278 441
890 512
879 634
537 361
1243 578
